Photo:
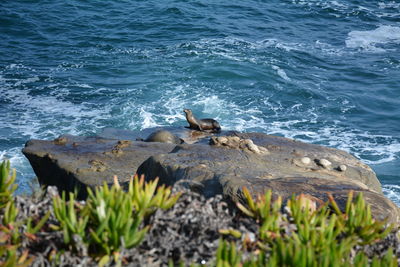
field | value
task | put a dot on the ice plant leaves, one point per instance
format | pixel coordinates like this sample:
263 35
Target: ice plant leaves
11 227
112 218
7 185
317 237
295 234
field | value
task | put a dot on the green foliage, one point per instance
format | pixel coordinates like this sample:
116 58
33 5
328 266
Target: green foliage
145 199
288 254
358 221
67 213
11 259
319 237
388 260
111 218
30 229
228 255
7 185
10 214
264 210
11 228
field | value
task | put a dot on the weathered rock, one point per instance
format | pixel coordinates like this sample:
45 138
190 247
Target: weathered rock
342 168
70 161
220 165
238 143
323 163
305 160
222 168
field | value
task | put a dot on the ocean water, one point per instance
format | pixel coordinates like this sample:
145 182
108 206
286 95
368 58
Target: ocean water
321 71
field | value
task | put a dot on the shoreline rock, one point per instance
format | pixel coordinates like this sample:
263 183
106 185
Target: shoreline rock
210 164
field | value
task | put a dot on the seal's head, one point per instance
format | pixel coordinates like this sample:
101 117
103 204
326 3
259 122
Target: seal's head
187 111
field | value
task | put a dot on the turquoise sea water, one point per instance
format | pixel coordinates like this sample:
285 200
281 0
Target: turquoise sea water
321 71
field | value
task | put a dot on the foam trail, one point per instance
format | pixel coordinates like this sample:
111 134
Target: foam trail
369 39
281 73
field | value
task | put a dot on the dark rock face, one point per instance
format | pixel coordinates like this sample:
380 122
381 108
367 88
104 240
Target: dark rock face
216 165
71 162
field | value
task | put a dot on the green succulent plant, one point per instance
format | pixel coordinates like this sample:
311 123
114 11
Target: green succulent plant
114 222
228 255
9 257
323 236
112 218
7 183
357 220
147 197
68 214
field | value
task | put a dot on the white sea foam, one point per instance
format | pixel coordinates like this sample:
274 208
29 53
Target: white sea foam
338 6
392 192
84 85
147 119
238 49
31 115
372 149
167 110
38 113
346 9
281 73
27 80
368 40
390 4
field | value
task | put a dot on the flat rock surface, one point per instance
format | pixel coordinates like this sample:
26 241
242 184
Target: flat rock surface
72 161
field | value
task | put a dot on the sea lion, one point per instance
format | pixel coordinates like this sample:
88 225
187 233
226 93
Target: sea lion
163 136
201 124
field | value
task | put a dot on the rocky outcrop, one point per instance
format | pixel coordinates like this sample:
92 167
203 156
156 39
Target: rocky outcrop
259 162
210 164
70 162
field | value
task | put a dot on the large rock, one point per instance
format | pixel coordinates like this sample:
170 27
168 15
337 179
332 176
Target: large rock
283 158
210 164
70 162
283 165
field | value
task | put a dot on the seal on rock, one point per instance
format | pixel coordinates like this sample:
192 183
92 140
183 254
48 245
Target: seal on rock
201 124
163 136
